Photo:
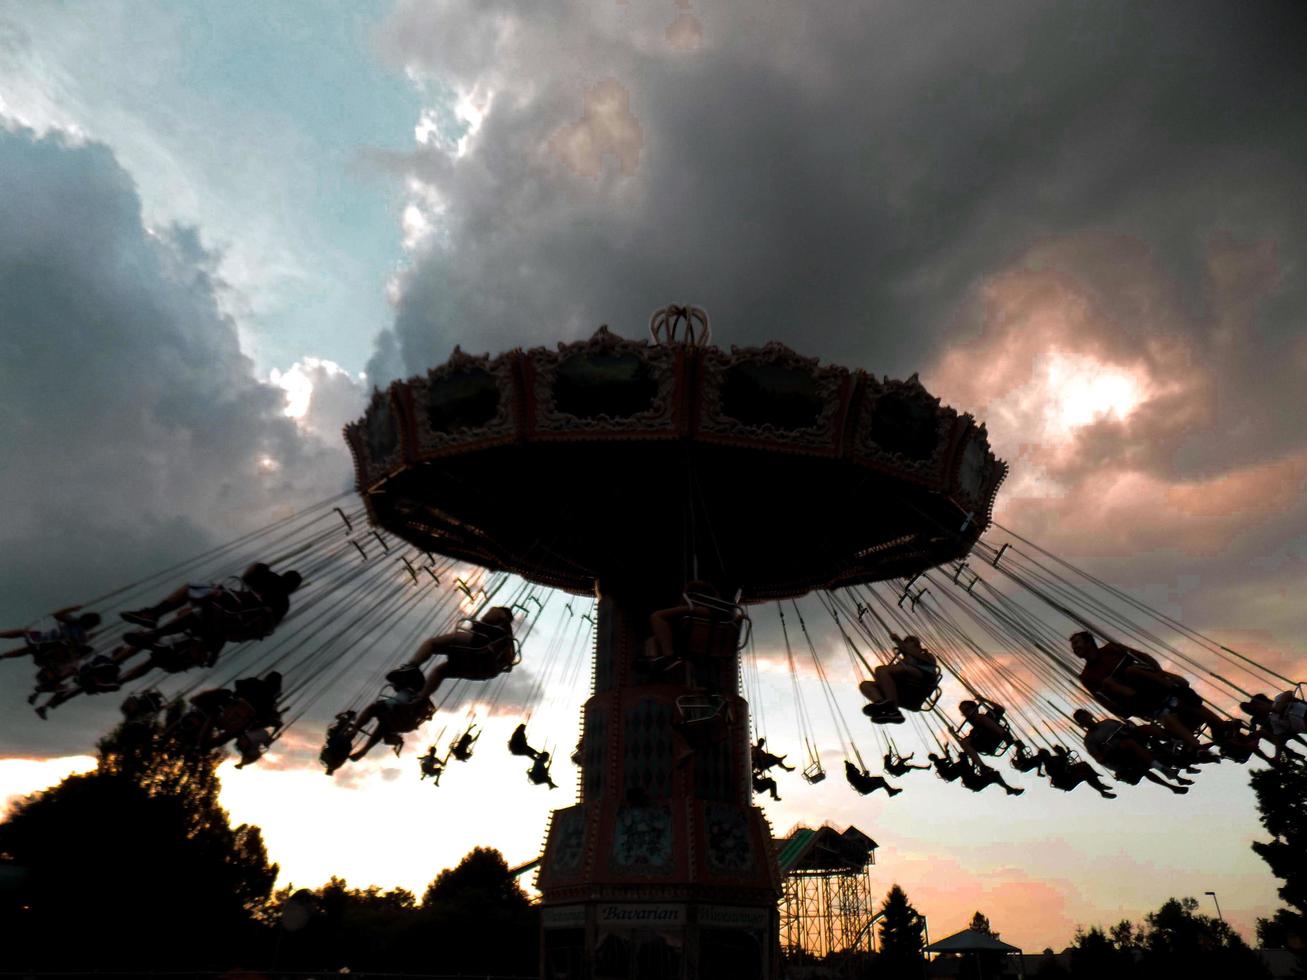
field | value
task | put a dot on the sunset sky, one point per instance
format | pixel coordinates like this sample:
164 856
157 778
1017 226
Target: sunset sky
222 223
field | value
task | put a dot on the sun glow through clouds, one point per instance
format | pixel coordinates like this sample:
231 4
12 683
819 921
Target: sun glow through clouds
1082 391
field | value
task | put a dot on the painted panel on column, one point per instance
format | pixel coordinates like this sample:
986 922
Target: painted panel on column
642 840
728 844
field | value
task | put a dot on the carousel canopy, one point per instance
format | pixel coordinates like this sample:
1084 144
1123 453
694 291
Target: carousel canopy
613 459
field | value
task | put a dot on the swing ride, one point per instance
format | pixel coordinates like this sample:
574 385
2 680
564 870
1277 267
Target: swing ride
668 515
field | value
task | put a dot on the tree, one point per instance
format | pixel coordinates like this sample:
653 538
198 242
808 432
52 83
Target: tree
980 923
136 862
902 938
1178 941
488 918
982 965
1095 955
1282 801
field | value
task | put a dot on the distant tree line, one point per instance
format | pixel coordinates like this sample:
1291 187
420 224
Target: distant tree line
135 866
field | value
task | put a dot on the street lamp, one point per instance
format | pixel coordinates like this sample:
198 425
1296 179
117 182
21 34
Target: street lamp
1218 906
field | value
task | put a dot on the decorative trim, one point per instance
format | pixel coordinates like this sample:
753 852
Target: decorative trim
833 387
551 423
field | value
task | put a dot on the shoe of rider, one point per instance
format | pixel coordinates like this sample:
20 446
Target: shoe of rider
140 617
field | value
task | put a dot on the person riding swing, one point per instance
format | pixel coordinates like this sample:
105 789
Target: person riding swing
864 782
704 625
898 765
1132 683
762 760
461 747
1279 721
1023 760
1065 772
403 710
1122 749
172 655
234 611
762 783
479 651
98 675
978 778
61 635
517 743
907 682
432 766
989 733
339 742
539 771
946 767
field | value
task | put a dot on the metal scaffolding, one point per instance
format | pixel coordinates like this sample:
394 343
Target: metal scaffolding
826 901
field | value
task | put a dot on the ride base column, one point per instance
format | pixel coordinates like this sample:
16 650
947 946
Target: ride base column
664 868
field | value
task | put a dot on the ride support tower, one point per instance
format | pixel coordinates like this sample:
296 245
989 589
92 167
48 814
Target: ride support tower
633 471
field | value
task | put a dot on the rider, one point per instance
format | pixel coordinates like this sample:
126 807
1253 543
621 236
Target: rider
339 742
1122 748
171 655
762 783
461 747
906 682
669 625
763 760
1278 721
978 777
989 734
539 771
98 675
1066 774
1132 683
517 743
252 743
946 767
247 609
432 765
897 765
61 632
1023 760
864 782
404 709
479 652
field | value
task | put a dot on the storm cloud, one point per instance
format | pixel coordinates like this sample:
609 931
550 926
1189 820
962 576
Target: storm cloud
1019 201
135 431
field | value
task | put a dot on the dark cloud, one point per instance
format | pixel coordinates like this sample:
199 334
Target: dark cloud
135 432
838 179
899 190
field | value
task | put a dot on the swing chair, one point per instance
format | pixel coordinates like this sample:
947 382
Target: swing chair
714 627
813 772
698 709
461 747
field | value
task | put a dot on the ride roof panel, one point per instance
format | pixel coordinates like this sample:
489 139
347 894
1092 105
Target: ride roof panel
614 459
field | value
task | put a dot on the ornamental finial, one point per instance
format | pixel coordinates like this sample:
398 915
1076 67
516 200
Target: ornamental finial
685 325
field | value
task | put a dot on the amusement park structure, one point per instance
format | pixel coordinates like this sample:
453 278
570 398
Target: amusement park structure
670 476
827 905
675 500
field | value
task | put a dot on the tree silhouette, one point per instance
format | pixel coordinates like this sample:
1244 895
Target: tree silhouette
486 915
1094 955
980 923
902 938
984 964
1282 801
1178 941
136 860
473 919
